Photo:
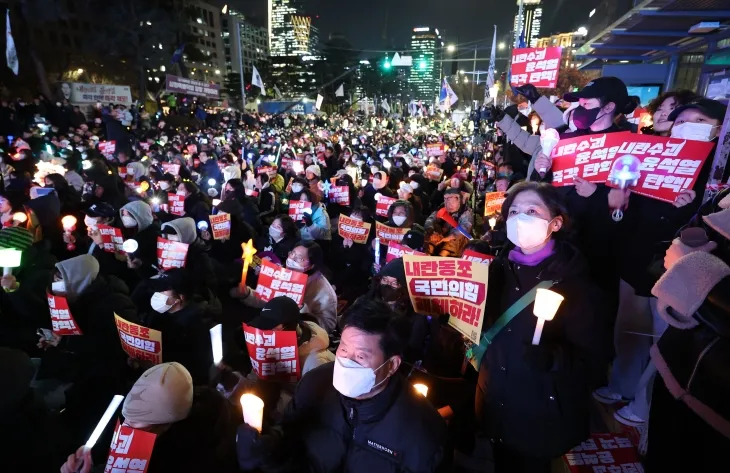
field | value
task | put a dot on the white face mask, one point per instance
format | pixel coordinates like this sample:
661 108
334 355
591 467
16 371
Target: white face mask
352 379
128 221
58 287
164 185
399 219
295 266
182 193
91 223
172 237
378 184
158 302
693 131
275 234
527 231
296 188
414 185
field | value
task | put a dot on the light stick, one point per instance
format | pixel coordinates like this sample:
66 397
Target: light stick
377 250
248 252
110 410
253 411
216 343
548 139
492 222
9 259
130 246
546 305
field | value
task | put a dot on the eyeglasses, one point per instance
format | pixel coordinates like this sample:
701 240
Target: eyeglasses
297 258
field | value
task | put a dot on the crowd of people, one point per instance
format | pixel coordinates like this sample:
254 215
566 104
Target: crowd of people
643 323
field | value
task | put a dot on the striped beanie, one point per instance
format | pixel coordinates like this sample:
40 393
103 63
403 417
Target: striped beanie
16 237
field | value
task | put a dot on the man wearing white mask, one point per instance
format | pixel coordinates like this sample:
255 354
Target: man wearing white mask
356 414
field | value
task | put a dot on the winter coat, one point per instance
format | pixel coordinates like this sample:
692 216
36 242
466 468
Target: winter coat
321 225
267 202
535 410
281 249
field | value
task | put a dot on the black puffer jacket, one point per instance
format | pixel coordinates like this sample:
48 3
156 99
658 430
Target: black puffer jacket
535 411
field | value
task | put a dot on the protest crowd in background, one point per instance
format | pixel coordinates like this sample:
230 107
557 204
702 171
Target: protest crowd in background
399 293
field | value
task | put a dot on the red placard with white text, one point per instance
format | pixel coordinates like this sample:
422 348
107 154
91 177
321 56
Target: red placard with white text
221 226
268 170
667 166
536 66
435 149
122 170
107 148
384 203
130 451
275 281
451 286
388 234
172 168
471 255
140 343
171 254
493 202
340 195
176 204
62 322
297 207
396 250
355 230
111 238
274 354
606 453
434 173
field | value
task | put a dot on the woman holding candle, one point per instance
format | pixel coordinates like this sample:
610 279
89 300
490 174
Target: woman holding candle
532 401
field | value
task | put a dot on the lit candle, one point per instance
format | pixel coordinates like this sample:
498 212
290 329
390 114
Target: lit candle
422 389
69 225
20 217
546 305
248 252
253 410
9 259
492 222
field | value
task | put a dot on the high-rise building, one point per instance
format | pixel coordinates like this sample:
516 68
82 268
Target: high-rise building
252 46
426 47
205 26
570 42
289 29
532 14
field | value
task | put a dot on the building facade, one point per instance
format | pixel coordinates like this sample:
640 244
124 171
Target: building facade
426 48
243 42
532 23
289 30
205 26
570 42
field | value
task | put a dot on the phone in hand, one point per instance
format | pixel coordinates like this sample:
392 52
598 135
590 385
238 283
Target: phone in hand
45 333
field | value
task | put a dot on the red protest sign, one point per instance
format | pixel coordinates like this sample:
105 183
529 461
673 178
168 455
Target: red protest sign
340 195
388 234
171 254
268 170
355 230
122 170
435 149
171 168
130 451
274 354
396 250
176 204
451 286
536 66
384 203
275 281
140 343
107 148
493 202
297 209
604 452
192 149
434 173
572 157
221 226
62 322
112 239
471 255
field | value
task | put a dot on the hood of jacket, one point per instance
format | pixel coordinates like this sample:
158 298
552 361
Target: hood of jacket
141 212
184 227
78 273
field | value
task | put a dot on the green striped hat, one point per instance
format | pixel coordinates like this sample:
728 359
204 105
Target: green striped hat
16 237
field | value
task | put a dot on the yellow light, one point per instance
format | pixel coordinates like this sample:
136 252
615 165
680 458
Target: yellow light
422 389
68 222
253 410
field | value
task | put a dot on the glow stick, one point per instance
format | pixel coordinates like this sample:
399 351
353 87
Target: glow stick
377 250
110 410
9 259
216 343
422 389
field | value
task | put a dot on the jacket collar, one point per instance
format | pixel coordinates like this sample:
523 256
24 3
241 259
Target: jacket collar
375 408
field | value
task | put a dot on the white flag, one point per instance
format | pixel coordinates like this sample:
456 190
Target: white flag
318 105
490 73
340 92
278 92
10 54
256 80
385 105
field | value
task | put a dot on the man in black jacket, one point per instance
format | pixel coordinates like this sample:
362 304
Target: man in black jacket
355 414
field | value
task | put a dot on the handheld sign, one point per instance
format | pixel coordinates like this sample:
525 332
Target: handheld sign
62 322
383 205
171 254
176 203
130 451
221 223
274 354
355 230
275 281
298 208
140 343
388 234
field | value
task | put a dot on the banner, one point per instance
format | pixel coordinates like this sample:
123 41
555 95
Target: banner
171 254
471 255
80 93
435 149
384 203
62 322
130 451
107 148
355 230
396 250
171 168
340 195
176 204
274 354
140 343
268 170
296 209
434 173
221 226
296 165
388 234
666 166
449 286
275 281
111 238
604 452
181 85
493 203
536 66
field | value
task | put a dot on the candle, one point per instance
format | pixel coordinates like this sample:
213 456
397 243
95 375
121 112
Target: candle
20 217
422 389
69 223
130 246
248 252
253 410
492 222
9 259
546 305
216 343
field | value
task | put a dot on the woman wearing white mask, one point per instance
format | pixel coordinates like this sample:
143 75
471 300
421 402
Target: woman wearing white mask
533 400
320 299
661 107
281 237
378 186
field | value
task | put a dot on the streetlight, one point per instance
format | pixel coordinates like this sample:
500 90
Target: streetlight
451 48
501 45
582 31
422 65
466 80
162 68
462 72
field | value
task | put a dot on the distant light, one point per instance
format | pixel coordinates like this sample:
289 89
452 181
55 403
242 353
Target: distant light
437 32
466 80
386 65
149 23
157 79
418 30
218 72
582 31
451 48
593 12
462 72
501 45
162 68
225 9
624 62
160 45
422 65
199 20
80 71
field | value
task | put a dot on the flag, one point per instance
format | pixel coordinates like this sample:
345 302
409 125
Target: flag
10 54
521 44
256 80
278 92
178 54
318 105
385 105
447 98
340 92
490 72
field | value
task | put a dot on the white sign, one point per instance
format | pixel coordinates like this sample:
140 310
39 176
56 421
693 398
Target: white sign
318 105
81 93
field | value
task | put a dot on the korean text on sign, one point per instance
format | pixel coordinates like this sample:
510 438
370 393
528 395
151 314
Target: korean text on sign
140 343
396 250
451 286
340 195
388 234
171 168
130 451
221 225
536 66
111 238
435 149
471 255
171 254
274 354
493 203
176 204
107 148
384 203
275 281
434 173
62 322
604 453
297 209
352 229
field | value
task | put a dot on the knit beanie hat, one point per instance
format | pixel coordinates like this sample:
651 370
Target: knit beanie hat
162 395
720 222
16 237
314 169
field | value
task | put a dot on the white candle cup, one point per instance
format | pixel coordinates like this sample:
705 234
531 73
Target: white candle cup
421 388
216 343
253 411
546 306
7 271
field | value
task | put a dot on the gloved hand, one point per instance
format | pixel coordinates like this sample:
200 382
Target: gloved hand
497 113
307 220
528 91
512 111
540 358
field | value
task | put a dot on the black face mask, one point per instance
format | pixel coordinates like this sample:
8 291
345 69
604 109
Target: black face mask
583 118
390 294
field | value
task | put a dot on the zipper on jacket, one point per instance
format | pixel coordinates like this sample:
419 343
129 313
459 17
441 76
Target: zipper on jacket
352 421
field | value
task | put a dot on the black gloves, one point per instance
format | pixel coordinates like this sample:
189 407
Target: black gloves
307 220
497 113
512 111
528 91
541 358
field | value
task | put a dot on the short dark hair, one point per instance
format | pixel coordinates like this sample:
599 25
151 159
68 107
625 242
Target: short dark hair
263 177
288 225
315 255
681 96
375 317
550 195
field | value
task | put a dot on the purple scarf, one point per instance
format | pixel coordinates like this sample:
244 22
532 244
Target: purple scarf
517 256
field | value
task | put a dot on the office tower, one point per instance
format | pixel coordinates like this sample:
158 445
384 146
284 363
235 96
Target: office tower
426 47
531 23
